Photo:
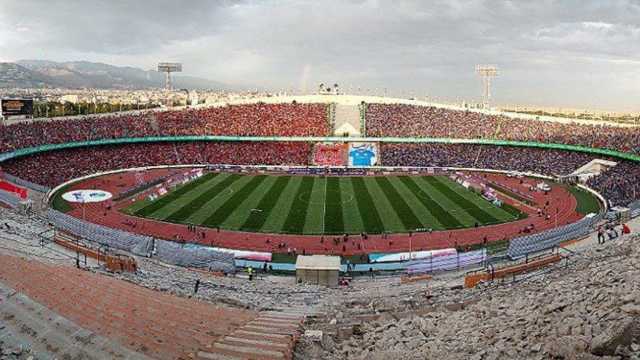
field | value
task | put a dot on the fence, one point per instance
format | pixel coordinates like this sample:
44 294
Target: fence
141 245
28 184
522 246
9 199
447 262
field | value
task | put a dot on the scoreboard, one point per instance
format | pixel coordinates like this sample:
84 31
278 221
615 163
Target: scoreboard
16 107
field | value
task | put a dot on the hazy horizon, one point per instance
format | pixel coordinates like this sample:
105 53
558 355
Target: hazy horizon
570 54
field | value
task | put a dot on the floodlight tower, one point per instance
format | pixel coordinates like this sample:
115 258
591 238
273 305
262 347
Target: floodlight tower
168 68
486 72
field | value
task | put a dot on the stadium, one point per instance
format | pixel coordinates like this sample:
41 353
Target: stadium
319 180
292 176
393 187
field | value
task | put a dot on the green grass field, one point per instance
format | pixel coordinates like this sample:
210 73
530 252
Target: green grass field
587 203
324 205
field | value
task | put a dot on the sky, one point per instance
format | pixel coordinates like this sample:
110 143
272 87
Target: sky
572 53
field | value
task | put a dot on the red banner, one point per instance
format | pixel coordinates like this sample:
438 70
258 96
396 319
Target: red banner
8 187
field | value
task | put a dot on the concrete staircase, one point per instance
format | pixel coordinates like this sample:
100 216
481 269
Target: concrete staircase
272 335
347 120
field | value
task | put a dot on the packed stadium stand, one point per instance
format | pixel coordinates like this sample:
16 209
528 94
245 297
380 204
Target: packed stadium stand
401 120
241 120
194 292
85 161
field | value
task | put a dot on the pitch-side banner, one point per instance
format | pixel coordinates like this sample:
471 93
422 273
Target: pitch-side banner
363 154
447 262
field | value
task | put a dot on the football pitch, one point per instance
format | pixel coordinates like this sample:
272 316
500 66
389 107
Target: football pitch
324 205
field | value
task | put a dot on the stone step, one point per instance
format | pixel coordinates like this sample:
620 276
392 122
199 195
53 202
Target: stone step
276 338
250 351
271 330
256 342
205 355
279 320
264 345
267 335
287 314
274 324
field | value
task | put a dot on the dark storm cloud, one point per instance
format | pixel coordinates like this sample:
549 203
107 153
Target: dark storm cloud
112 26
578 53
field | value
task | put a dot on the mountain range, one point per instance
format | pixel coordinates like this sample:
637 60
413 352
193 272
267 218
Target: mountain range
84 74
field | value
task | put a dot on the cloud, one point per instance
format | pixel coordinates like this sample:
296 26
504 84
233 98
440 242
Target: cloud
404 46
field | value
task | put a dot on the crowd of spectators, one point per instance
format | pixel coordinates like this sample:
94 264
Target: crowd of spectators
541 161
400 120
619 184
241 120
395 120
382 120
55 167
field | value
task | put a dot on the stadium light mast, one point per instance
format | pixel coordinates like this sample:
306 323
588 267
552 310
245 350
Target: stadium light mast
168 68
486 72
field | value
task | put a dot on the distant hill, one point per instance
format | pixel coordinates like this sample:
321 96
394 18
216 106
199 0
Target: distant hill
84 74
15 76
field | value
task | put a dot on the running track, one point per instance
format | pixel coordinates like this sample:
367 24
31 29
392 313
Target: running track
561 201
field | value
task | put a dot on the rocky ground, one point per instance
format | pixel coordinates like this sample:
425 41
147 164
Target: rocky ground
589 309
17 353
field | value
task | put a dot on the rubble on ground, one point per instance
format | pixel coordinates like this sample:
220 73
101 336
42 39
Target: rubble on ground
587 310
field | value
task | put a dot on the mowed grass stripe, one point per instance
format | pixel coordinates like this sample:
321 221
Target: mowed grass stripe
350 212
422 212
333 221
446 203
216 201
198 202
399 205
443 216
185 198
248 206
275 220
497 212
368 212
474 210
174 195
314 221
298 211
256 220
389 217
227 208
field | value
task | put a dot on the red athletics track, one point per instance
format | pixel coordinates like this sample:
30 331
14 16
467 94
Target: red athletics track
559 198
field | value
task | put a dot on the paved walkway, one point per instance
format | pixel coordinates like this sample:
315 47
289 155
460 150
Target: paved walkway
159 325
